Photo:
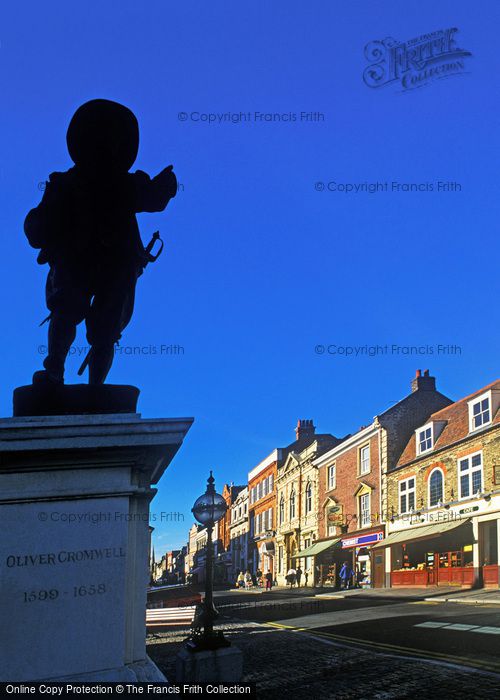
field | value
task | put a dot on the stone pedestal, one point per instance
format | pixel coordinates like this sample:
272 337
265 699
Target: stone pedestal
220 666
75 492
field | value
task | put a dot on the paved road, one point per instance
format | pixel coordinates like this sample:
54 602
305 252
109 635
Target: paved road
286 664
463 634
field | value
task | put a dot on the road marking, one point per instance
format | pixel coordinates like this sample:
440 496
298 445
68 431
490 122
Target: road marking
417 653
460 627
410 657
487 630
424 602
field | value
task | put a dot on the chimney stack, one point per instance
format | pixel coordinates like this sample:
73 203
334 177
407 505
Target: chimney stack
305 429
423 382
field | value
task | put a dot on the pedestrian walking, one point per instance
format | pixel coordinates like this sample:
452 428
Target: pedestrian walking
299 576
248 579
306 577
291 577
346 574
269 581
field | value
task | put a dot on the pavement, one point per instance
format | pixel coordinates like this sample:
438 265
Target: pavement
441 593
432 593
473 597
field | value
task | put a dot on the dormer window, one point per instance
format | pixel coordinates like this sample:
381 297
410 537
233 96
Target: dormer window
425 440
480 411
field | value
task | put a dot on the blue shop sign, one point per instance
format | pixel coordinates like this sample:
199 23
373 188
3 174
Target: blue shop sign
362 540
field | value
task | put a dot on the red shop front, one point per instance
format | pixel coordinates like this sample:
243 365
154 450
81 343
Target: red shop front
432 555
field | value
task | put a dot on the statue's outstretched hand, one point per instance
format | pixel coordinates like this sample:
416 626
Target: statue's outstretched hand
169 180
153 194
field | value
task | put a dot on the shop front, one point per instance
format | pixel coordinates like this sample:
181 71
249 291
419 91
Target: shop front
321 558
357 551
266 551
432 555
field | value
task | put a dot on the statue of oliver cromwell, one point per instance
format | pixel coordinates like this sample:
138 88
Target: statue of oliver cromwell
86 230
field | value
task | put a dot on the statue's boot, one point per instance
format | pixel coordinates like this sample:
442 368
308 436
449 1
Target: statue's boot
100 361
62 332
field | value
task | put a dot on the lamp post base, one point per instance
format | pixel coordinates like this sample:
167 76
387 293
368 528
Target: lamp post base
223 665
207 641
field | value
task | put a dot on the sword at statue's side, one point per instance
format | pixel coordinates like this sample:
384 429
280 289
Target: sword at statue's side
149 257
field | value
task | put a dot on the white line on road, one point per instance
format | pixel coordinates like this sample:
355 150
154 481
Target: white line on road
460 627
488 630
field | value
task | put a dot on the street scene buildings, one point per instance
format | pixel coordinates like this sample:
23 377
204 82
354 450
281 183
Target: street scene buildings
353 487
444 498
298 502
410 500
239 529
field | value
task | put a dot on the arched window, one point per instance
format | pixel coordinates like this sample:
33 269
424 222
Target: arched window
282 509
309 497
292 504
435 487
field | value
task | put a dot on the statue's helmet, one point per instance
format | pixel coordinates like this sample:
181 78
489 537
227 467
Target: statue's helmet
103 134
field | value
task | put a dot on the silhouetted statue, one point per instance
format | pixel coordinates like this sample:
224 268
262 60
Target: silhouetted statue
87 231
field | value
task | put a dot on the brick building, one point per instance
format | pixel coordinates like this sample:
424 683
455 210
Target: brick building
353 498
444 498
262 513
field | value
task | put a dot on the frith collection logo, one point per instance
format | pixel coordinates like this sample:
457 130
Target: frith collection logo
416 62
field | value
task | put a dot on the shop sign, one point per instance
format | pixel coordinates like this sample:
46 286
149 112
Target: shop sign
362 540
468 510
336 518
335 514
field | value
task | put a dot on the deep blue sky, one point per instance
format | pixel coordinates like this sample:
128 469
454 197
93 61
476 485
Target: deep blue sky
259 267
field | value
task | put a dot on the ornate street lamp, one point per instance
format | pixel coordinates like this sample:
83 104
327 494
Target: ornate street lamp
208 509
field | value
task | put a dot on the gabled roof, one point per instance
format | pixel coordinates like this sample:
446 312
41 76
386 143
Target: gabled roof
323 441
456 425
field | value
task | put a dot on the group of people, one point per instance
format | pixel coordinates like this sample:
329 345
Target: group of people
247 580
348 578
294 577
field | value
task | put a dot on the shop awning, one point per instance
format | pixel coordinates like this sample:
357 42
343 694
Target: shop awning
316 548
420 533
